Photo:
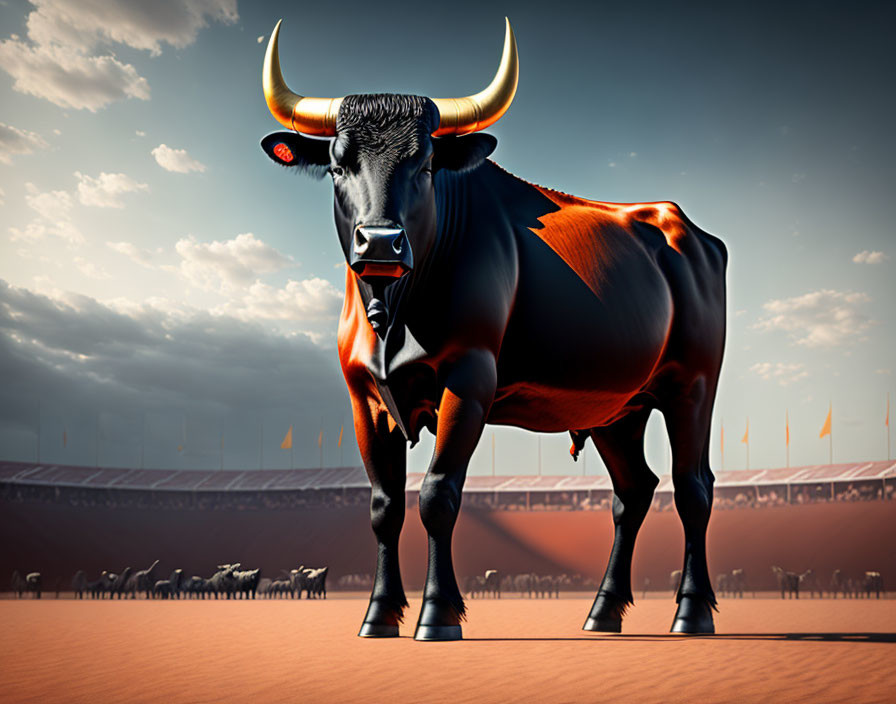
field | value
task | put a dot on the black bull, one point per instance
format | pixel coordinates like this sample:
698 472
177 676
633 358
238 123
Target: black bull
504 302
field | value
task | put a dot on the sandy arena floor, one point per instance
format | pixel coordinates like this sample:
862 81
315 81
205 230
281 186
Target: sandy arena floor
515 650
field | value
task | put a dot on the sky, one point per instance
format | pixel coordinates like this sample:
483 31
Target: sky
169 297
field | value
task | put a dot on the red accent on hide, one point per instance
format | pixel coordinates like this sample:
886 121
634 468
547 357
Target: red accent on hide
589 235
283 153
356 341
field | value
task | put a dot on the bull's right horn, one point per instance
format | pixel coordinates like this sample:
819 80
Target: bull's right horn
314 116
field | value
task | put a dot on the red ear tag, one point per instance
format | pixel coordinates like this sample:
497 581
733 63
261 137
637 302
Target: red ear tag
283 153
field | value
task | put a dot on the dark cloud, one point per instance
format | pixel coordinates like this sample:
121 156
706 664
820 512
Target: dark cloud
203 374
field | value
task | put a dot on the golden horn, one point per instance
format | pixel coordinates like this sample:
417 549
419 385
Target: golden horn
315 116
476 112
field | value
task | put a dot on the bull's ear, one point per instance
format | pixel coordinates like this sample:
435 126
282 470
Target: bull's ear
292 149
462 153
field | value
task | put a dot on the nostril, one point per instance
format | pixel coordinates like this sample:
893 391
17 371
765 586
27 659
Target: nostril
361 240
398 243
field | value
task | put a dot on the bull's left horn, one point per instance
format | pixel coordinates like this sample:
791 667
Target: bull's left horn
315 116
476 112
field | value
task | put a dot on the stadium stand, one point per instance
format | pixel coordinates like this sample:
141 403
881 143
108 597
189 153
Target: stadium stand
341 486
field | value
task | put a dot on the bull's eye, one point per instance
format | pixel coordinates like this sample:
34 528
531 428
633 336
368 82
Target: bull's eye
283 153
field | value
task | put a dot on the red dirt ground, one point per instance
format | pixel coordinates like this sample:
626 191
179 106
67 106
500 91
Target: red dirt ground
514 650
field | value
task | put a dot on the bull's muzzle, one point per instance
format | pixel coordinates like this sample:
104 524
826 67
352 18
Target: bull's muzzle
382 252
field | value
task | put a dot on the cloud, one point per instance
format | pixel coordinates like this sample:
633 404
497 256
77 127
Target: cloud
51 205
176 160
84 24
310 300
106 190
90 269
68 78
53 208
40 230
783 373
15 141
825 318
59 61
140 256
79 356
140 133
231 264
866 257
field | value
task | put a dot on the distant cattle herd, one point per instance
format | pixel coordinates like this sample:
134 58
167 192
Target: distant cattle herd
231 582
228 582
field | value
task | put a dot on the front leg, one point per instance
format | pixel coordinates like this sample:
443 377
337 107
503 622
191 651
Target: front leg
469 391
384 452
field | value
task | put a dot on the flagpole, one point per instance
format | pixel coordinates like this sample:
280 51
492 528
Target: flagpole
787 435
38 431
143 441
97 440
261 446
222 452
831 434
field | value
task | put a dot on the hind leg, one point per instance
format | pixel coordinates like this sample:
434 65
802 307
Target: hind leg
621 446
688 424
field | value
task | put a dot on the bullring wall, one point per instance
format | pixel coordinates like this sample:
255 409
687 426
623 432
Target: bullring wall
58 539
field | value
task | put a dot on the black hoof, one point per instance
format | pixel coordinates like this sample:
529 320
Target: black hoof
603 625
378 630
381 620
438 621
438 633
694 615
606 614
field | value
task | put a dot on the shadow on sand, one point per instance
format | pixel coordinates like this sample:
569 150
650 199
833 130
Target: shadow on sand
660 637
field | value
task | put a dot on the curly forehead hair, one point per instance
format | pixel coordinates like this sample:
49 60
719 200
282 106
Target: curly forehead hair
386 118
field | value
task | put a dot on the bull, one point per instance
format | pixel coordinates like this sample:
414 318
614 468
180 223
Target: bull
473 296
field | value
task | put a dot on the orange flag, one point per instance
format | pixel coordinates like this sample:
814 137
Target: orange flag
826 428
339 444
287 440
320 439
787 426
746 437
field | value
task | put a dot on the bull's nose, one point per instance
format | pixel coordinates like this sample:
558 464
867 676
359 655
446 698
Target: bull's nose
379 251
380 239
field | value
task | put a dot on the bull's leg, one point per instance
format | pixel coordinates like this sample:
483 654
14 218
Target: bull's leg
688 424
621 446
385 458
469 391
